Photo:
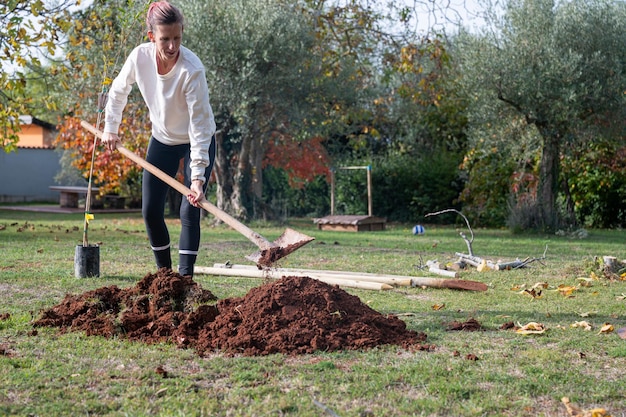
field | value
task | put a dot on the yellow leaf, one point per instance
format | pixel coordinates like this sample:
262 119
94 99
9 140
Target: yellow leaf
438 306
583 324
483 266
575 411
531 328
607 328
566 290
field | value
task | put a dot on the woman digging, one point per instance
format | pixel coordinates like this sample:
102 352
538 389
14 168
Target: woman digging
172 81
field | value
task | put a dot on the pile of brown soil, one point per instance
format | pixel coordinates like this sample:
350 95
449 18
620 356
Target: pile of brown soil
292 315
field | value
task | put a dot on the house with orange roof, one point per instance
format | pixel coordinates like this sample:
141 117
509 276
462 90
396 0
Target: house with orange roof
28 172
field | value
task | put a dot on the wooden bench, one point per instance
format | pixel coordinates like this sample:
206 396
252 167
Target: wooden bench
70 194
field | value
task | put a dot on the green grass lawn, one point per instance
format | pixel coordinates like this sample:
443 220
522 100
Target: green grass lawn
492 372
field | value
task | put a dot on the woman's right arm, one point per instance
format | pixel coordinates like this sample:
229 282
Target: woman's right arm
118 96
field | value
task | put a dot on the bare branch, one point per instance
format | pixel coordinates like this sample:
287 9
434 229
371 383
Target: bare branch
468 242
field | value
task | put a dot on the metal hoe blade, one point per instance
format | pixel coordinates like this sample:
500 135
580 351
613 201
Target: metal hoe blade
286 243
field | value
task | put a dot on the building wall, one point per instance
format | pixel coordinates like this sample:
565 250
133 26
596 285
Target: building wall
32 136
26 175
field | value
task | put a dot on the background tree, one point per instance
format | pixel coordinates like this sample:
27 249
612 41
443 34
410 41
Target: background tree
556 67
260 72
99 39
30 33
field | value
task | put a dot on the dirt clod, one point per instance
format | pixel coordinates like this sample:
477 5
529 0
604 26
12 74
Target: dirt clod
293 315
471 325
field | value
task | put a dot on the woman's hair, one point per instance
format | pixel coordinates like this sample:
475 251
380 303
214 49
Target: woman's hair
162 13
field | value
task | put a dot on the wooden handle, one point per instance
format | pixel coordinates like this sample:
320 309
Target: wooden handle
253 236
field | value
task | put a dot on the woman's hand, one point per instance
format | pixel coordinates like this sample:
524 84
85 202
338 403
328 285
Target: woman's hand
197 193
110 140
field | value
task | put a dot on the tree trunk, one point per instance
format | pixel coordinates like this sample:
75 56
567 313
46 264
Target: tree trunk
548 179
223 179
241 174
256 163
238 174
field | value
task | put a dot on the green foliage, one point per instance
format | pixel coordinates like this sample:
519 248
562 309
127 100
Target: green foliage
596 176
30 33
404 188
310 200
408 187
486 194
100 38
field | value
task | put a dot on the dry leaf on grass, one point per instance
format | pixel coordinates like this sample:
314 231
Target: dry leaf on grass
566 290
586 282
575 411
483 267
622 333
532 292
531 328
582 324
607 328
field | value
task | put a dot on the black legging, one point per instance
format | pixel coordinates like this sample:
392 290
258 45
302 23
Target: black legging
154 193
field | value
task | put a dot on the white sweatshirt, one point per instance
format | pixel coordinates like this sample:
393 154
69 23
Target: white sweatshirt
178 102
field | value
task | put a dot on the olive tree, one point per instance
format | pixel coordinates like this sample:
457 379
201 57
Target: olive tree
255 53
555 68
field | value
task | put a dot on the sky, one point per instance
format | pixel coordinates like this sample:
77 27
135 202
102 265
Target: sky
447 14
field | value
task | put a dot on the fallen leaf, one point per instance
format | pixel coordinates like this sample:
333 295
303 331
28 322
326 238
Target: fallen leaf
540 285
437 307
531 328
532 292
483 266
583 324
566 290
607 328
586 282
575 411
621 332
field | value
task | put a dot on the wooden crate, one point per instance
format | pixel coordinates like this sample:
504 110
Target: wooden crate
351 223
